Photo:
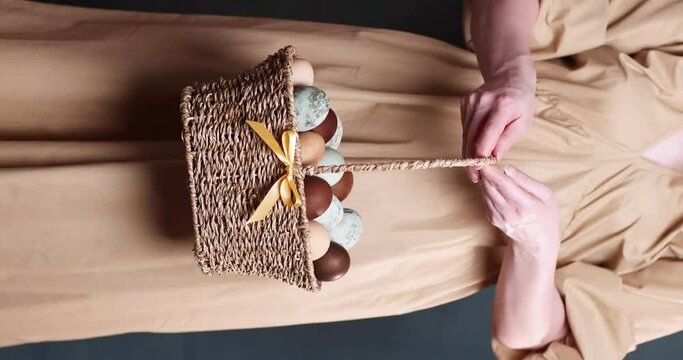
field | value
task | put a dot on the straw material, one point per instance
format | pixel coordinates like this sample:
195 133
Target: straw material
399 165
230 170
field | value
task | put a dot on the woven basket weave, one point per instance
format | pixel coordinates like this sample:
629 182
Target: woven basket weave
230 170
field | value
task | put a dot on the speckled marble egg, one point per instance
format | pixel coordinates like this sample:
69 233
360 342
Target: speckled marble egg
333 215
349 230
331 157
337 137
312 106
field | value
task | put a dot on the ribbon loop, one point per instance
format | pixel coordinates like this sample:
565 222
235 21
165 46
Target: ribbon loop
285 187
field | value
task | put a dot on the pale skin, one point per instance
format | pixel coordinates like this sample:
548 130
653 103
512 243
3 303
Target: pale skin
528 310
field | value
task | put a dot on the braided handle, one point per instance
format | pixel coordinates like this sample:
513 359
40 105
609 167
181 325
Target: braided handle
398 165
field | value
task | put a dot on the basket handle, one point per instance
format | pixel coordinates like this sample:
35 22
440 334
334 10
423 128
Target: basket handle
398 165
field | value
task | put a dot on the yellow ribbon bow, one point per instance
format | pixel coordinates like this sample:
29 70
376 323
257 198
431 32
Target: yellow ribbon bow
285 187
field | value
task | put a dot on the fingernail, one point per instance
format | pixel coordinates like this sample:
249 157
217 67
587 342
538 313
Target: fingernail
475 178
509 170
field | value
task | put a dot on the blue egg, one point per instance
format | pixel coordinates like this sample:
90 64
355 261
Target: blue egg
331 157
349 230
336 139
333 215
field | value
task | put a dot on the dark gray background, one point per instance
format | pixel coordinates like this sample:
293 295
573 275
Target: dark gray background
459 330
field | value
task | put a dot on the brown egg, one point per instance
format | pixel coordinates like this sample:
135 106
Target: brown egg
327 128
319 240
334 264
302 73
312 147
343 187
318 195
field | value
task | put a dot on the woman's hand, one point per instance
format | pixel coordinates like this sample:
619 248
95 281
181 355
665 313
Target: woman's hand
525 210
497 114
528 310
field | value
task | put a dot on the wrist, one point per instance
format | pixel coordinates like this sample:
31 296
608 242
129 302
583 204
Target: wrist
535 256
517 72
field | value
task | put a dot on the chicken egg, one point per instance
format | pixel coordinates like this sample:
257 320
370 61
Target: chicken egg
318 194
343 187
349 230
302 73
312 147
319 240
327 128
331 157
337 137
333 265
311 105
333 215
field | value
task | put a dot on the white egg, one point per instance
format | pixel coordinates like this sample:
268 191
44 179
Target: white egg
336 139
333 215
331 157
349 229
312 106
302 73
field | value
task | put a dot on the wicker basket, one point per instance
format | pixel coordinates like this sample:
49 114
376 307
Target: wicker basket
230 169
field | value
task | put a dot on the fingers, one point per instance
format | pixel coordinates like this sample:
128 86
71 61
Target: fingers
495 204
487 139
490 207
511 133
467 106
478 110
492 122
473 173
479 114
506 186
498 202
492 214
465 115
464 121
528 183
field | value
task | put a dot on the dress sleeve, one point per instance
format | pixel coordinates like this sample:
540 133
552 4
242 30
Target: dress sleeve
609 314
558 31
569 27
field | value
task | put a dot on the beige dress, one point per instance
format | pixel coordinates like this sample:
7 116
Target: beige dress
95 229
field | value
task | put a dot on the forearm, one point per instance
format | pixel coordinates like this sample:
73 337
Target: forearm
528 310
501 31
